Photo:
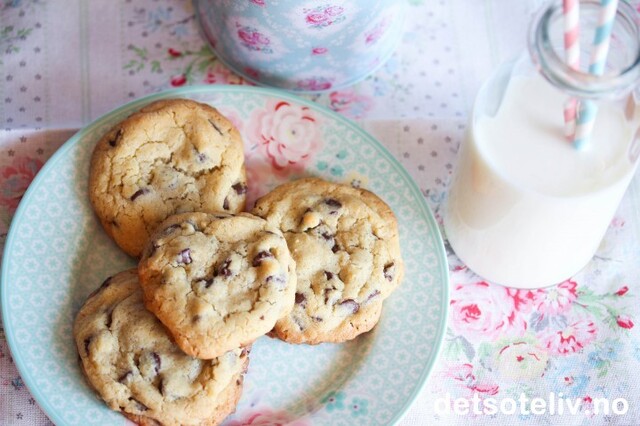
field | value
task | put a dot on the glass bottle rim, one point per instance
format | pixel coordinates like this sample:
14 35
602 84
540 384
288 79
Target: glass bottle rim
580 83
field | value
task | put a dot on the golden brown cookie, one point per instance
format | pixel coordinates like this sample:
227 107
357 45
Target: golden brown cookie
172 156
346 246
217 281
131 361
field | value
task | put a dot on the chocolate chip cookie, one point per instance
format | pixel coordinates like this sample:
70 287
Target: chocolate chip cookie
172 156
130 360
346 247
217 281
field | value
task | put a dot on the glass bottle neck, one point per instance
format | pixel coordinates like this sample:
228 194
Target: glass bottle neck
622 73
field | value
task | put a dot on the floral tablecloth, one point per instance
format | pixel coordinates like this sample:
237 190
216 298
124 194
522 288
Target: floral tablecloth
65 63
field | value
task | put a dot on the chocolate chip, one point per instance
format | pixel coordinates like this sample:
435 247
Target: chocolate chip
109 319
139 192
114 223
238 382
262 317
388 271
350 304
87 342
114 140
196 318
169 229
335 248
157 362
332 202
185 256
317 319
257 260
240 188
193 225
104 285
276 279
300 299
224 270
225 203
216 127
327 236
139 405
299 323
201 157
125 377
327 292
372 295
328 274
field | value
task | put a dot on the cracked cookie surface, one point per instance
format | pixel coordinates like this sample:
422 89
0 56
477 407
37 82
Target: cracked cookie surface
172 156
132 363
346 247
217 281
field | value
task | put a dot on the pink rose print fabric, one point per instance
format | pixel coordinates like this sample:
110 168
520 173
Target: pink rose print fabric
483 311
16 178
518 338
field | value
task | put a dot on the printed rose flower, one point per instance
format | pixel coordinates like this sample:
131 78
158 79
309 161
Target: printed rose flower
624 321
253 38
334 10
350 103
218 73
258 2
522 360
15 180
253 73
316 18
483 312
174 53
568 378
178 80
465 381
314 84
267 417
322 16
555 300
570 339
623 290
287 134
319 50
210 78
605 353
376 33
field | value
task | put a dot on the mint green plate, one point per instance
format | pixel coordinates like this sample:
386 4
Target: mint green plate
56 253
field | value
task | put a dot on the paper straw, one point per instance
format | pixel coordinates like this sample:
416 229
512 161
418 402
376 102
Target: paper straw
571 11
601 41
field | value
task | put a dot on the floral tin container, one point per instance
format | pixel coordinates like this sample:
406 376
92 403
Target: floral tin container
302 46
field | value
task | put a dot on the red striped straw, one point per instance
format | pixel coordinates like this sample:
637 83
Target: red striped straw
571 11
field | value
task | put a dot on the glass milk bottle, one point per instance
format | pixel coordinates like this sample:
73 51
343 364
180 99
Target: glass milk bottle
526 208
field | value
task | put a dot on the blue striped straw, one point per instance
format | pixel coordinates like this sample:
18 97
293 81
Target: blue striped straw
599 52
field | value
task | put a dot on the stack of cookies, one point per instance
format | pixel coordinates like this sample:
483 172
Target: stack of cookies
168 342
